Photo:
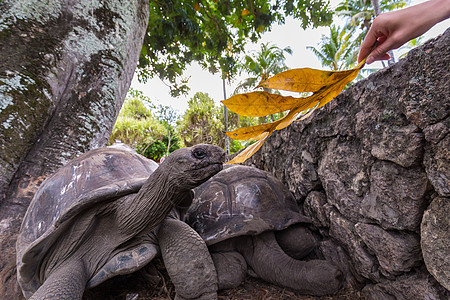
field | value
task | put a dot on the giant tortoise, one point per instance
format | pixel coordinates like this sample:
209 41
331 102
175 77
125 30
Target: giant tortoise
97 217
248 217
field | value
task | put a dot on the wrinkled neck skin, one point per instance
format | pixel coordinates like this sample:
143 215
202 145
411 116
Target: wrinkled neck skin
151 205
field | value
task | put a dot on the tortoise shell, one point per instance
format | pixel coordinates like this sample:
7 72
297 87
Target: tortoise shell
98 176
242 200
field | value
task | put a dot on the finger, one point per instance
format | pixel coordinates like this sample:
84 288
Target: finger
372 59
381 39
367 44
380 52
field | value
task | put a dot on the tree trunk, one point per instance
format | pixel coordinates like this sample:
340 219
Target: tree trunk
168 141
225 112
65 68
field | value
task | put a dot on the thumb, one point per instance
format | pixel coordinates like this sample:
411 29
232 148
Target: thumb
380 52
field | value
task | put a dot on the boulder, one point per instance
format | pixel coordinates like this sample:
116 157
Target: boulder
435 233
366 167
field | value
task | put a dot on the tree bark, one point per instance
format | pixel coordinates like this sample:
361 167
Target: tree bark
225 115
65 68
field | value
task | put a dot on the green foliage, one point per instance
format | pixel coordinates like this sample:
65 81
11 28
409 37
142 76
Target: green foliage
138 127
135 124
213 33
158 148
360 14
202 122
262 64
236 145
166 115
336 51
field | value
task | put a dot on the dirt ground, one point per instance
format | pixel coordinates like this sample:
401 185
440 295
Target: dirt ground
154 284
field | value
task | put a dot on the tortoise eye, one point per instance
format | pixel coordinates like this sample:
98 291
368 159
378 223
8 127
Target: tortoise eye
200 153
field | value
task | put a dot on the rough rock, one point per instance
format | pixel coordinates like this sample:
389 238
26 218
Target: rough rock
318 209
437 160
366 166
418 285
435 233
396 198
343 230
396 252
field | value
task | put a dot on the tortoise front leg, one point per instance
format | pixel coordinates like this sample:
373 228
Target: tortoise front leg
66 283
231 269
187 260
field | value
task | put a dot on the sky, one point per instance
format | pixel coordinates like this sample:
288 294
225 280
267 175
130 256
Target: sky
289 34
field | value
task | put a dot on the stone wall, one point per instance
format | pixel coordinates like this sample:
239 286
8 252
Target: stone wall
368 165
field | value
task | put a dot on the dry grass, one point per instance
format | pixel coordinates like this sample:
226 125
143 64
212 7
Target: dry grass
154 284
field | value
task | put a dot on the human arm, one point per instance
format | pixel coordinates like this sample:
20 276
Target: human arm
393 29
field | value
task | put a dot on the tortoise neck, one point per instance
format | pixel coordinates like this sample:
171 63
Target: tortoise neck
151 205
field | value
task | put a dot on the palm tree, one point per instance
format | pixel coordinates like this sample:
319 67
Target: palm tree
262 64
335 51
360 14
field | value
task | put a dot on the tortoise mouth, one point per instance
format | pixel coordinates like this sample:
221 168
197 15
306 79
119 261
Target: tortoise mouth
203 173
211 168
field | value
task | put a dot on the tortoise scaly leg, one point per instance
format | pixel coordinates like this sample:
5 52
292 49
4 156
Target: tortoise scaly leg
187 261
66 283
231 269
271 263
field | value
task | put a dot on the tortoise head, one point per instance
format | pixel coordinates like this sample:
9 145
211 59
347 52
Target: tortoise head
192 166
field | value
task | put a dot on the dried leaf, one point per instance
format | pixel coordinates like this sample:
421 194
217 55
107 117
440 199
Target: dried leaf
249 151
325 85
307 79
250 132
260 104
245 12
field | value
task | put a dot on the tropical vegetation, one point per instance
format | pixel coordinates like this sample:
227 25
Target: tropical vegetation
336 51
262 64
141 126
214 33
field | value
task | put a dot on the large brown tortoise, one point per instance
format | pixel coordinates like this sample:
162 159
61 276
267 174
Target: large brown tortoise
98 217
248 217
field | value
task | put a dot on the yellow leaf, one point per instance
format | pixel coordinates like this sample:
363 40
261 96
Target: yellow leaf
259 104
303 80
325 85
245 12
307 79
250 132
248 152
291 116
197 6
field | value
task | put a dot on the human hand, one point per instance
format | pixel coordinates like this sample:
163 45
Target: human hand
391 30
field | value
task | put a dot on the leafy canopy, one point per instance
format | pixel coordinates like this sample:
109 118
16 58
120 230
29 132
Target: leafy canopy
336 51
136 125
213 33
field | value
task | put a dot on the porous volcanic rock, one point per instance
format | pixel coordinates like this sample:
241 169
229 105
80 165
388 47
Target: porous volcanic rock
366 167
